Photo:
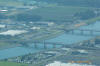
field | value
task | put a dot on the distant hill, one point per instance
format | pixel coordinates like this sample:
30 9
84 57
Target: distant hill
10 3
86 3
92 3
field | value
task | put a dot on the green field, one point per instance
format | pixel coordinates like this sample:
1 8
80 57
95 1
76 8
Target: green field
93 20
4 45
50 13
58 13
12 64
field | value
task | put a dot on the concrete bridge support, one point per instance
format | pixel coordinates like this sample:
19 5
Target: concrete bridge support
45 45
54 45
72 31
82 32
91 32
63 46
35 45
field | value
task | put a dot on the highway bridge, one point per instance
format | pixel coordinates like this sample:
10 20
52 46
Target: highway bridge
36 44
81 31
45 44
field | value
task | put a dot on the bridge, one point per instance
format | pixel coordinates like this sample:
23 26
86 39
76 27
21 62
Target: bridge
55 44
81 31
36 44
45 44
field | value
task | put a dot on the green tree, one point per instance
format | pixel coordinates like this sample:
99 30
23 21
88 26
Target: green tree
3 16
86 15
26 17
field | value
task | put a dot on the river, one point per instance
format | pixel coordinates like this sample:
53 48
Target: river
67 38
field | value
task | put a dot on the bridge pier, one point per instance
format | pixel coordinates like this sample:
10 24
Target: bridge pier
45 45
62 46
72 31
91 32
82 32
35 45
54 45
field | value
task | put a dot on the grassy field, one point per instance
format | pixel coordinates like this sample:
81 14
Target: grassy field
12 64
93 20
53 13
5 45
58 13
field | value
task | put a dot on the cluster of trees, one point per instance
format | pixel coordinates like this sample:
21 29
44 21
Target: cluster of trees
86 15
92 3
3 16
21 17
5 36
27 17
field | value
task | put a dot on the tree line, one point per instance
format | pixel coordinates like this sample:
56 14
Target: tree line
27 17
